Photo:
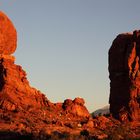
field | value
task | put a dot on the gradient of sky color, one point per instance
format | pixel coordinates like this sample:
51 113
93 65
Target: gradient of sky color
63 44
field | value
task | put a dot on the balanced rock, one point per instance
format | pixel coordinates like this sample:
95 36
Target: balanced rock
124 74
8 35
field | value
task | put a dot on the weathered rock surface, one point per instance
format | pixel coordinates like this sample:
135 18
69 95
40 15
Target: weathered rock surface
124 73
8 35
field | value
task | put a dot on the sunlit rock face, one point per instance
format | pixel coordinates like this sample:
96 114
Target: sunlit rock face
15 91
8 35
124 74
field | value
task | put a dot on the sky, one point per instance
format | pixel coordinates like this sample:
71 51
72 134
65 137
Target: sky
63 44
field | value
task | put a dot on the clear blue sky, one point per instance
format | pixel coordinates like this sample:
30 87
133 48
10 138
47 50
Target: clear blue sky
63 44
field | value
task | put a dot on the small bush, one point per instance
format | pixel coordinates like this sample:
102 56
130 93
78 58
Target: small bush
84 133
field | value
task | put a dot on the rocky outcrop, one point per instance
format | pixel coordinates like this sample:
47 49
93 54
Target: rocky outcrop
25 110
8 35
15 91
124 74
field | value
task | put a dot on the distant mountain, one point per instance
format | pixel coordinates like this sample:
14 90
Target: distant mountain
101 111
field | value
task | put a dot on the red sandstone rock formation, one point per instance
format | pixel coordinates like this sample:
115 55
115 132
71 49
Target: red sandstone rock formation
25 113
15 91
23 108
124 73
8 35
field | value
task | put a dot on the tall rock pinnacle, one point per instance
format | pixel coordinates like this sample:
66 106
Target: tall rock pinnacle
8 35
124 73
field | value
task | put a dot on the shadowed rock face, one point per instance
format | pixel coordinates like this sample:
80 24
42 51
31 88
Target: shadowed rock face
124 74
8 35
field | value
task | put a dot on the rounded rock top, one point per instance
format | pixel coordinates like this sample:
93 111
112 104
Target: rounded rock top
8 35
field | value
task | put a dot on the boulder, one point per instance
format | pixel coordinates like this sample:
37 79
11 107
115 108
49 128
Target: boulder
76 107
8 35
